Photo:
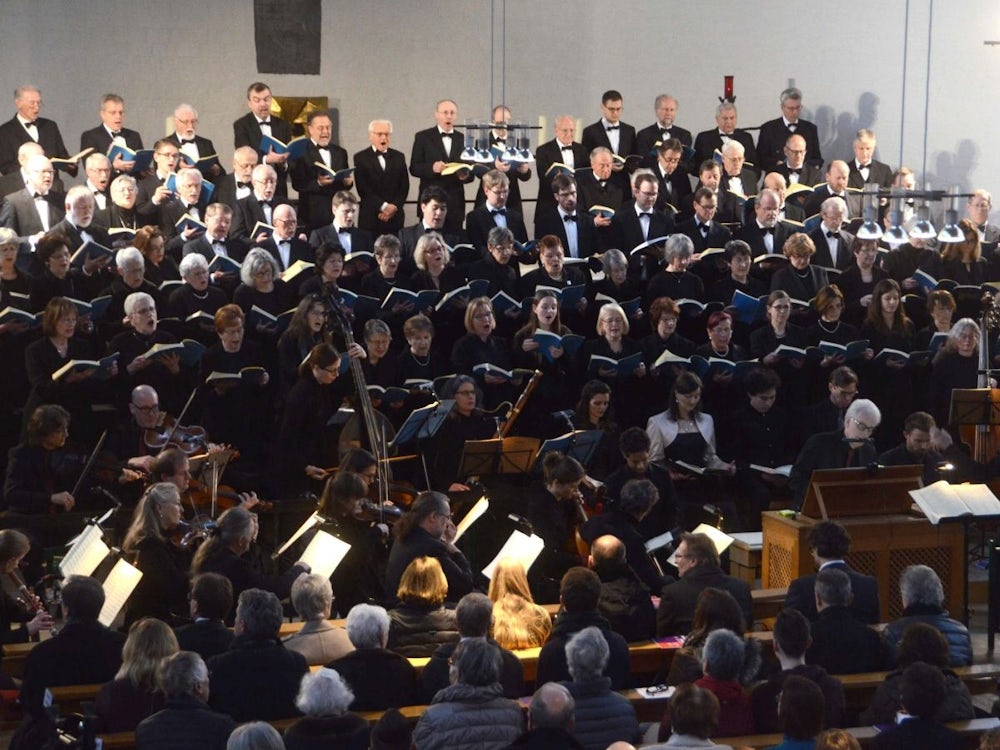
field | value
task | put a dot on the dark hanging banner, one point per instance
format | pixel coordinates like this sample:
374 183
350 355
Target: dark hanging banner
287 35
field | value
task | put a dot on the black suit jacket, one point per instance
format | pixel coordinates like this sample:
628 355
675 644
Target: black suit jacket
377 186
207 638
590 192
480 221
247 213
379 679
842 644
717 235
246 132
708 141
754 237
677 603
205 148
824 450
822 192
808 174
675 189
920 734
548 220
315 207
236 248
298 250
748 178
360 239
429 148
99 139
771 142
225 191
185 722
550 153
879 173
66 227
170 214
646 139
596 134
13 134
801 595
628 228
256 680
822 257
20 214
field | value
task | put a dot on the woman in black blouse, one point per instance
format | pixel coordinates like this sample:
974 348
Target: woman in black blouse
956 365
594 412
307 329
14 338
465 422
663 316
481 347
779 332
800 279
613 343
196 297
858 281
675 281
159 266
722 393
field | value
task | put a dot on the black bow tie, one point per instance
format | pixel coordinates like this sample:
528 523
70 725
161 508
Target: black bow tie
703 228
115 133
864 166
981 227
500 142
266 122
833 235
645 213
664 134
767 230
324 148
569 217
343 230
30 124
792 127
265 203
186 140
218 243
38 197
242 184
612 127
567 148
501 211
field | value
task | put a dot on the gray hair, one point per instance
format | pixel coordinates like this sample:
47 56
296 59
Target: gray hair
919 584
324 693
678 246
179 673
587 655
613 258
733 145
256 735
373 123
833 587
477 662
262 171
260 612
135 299
367 626
123 179
961 327
192 262
552 707
834 201
474 615
129 257
638 496
500 236
189 173
864 409
723 107
78 191
723 654
256 259
185 107
312 597
420 249
8 237
791 93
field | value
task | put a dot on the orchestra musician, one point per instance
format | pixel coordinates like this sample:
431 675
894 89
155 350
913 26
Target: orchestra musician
465 422
27 611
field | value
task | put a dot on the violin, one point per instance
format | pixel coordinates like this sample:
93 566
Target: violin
32 604
169 434
200 496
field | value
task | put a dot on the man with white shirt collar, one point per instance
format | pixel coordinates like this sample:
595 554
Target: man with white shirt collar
36 209
433 212
610 132
774 134
661 131
111 131
26 126
18 179
494 212
832 241
315 185
793 167
258 207
776 182
764 233
709 141
215 241
98 170
864 170
237 184
432 150
562 149
639 221
382 180
153 193
77 224
192 145
837 174
574 228
502 139
978 210
188 202
737 178
250 129
703 230
674 184
283 245
342 231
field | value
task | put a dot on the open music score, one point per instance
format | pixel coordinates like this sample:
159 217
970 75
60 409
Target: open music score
118 587
85 554
324 553
475 513
518 546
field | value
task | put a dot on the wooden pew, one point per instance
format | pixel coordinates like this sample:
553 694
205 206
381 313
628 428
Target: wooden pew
972 730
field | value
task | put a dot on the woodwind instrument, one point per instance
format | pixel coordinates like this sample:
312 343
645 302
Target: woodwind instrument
521 401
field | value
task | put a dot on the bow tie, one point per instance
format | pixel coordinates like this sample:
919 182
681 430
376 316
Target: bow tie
382 153
664 134
500 142
767 230
38 197
501 211
186 140
981 227
324 148
567 148
265 122
30 124
864 166
242 184
343 230
612 127
218 243
116 133
833 235
792 127
569 217
645 213
703 228
265 203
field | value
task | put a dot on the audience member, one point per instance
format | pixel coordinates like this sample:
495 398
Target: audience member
801 710
694 717
517 621
722 663
550 721
921 694
421 622
324 698
319 640
842 644
624 600
211 601
923 601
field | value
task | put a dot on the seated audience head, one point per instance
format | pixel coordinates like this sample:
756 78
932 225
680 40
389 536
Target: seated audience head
638 498
391 732
791 633
82 598
476 662
922 690
367 626
474 615
211 596
716 609
182 675
919 584
324 693
149 641
833 589
509 577
255 735
722 655
695 550
607 553
829 540
587 655
551 707
694 711
258 614
801 708
579 590
922 642
312 597
841 739
423 583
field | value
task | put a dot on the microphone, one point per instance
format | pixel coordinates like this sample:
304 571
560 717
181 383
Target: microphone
523 523
566 414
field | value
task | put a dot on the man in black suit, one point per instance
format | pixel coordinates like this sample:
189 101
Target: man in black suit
601 187
736 178
211 599
237 184
501 141
34 210
250 129
193 146
978 211
259 206
188 202
215 241
829 544
574 229
341 230
864 170
383 182
698 568
708 142
26 126
18 179
433 211
77 224
153 194
764 233
83 652
432 150
639 221
836 184
494 212
774 133
662 130
702 228
832 241
560 150
316 186
111 131
283 244
98 170
674 183
794 168
610 132
841 643
786 211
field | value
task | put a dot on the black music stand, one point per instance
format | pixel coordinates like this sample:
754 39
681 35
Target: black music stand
579 444
423 423
509 455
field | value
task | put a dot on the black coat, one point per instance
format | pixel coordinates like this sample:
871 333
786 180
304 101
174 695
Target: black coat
13 135
919 734
548 220
552 658
772 137
434 675
185 722
256 680
377 186
677 604
379 679
480 221
417 630
428 147
825 450
842 644
315 200
346 732
864 588
205 637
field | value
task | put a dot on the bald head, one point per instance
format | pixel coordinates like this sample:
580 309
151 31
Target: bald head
551 708
836 175
27 150
607 550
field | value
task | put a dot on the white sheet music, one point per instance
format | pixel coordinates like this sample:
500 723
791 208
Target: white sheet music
518 546
720 539
324 553
475 513
118 587
86 553
313 520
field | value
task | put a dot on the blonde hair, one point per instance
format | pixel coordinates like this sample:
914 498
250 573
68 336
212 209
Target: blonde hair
149 641
517 621
423 582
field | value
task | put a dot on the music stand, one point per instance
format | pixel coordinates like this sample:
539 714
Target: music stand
978 406
509 455
877 491
579 444
423 423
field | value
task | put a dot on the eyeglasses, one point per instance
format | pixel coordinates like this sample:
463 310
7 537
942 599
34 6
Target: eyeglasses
482 316
465 393
862 426
146 409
